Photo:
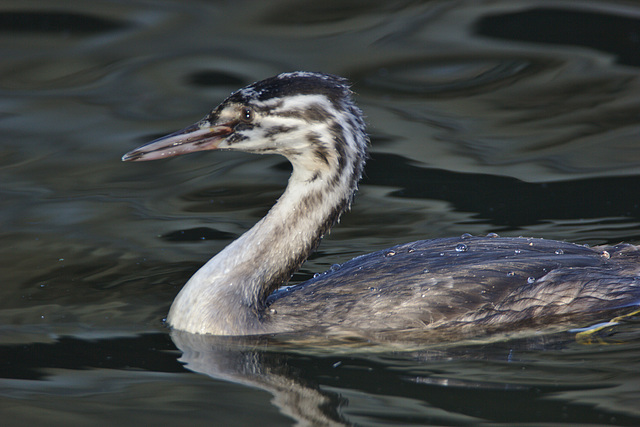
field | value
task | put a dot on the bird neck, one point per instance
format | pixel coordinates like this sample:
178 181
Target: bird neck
227 296
327 149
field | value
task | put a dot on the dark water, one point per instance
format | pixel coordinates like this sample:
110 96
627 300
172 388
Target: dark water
509 117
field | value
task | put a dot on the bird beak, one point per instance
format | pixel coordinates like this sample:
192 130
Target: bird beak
193 138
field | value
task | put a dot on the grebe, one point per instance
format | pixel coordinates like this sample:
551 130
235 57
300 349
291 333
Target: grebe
311 119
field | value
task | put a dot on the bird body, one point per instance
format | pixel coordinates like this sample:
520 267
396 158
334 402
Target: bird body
467 282
310 119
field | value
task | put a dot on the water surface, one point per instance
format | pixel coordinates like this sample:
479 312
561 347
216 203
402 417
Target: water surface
505 116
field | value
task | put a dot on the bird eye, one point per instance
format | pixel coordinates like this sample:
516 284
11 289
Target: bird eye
247 114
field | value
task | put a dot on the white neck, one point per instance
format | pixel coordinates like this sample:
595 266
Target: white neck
227 295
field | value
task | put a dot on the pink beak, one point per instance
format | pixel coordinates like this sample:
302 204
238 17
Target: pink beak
187 140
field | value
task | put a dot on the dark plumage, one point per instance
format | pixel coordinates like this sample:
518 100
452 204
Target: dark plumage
466 283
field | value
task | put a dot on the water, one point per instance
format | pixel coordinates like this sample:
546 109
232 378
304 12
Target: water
507 117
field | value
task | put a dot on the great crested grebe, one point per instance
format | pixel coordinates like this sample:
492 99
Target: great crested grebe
311 119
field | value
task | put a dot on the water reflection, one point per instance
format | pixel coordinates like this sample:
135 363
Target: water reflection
246 362
452 384
139 378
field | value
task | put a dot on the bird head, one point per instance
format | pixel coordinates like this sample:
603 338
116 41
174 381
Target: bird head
303 116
